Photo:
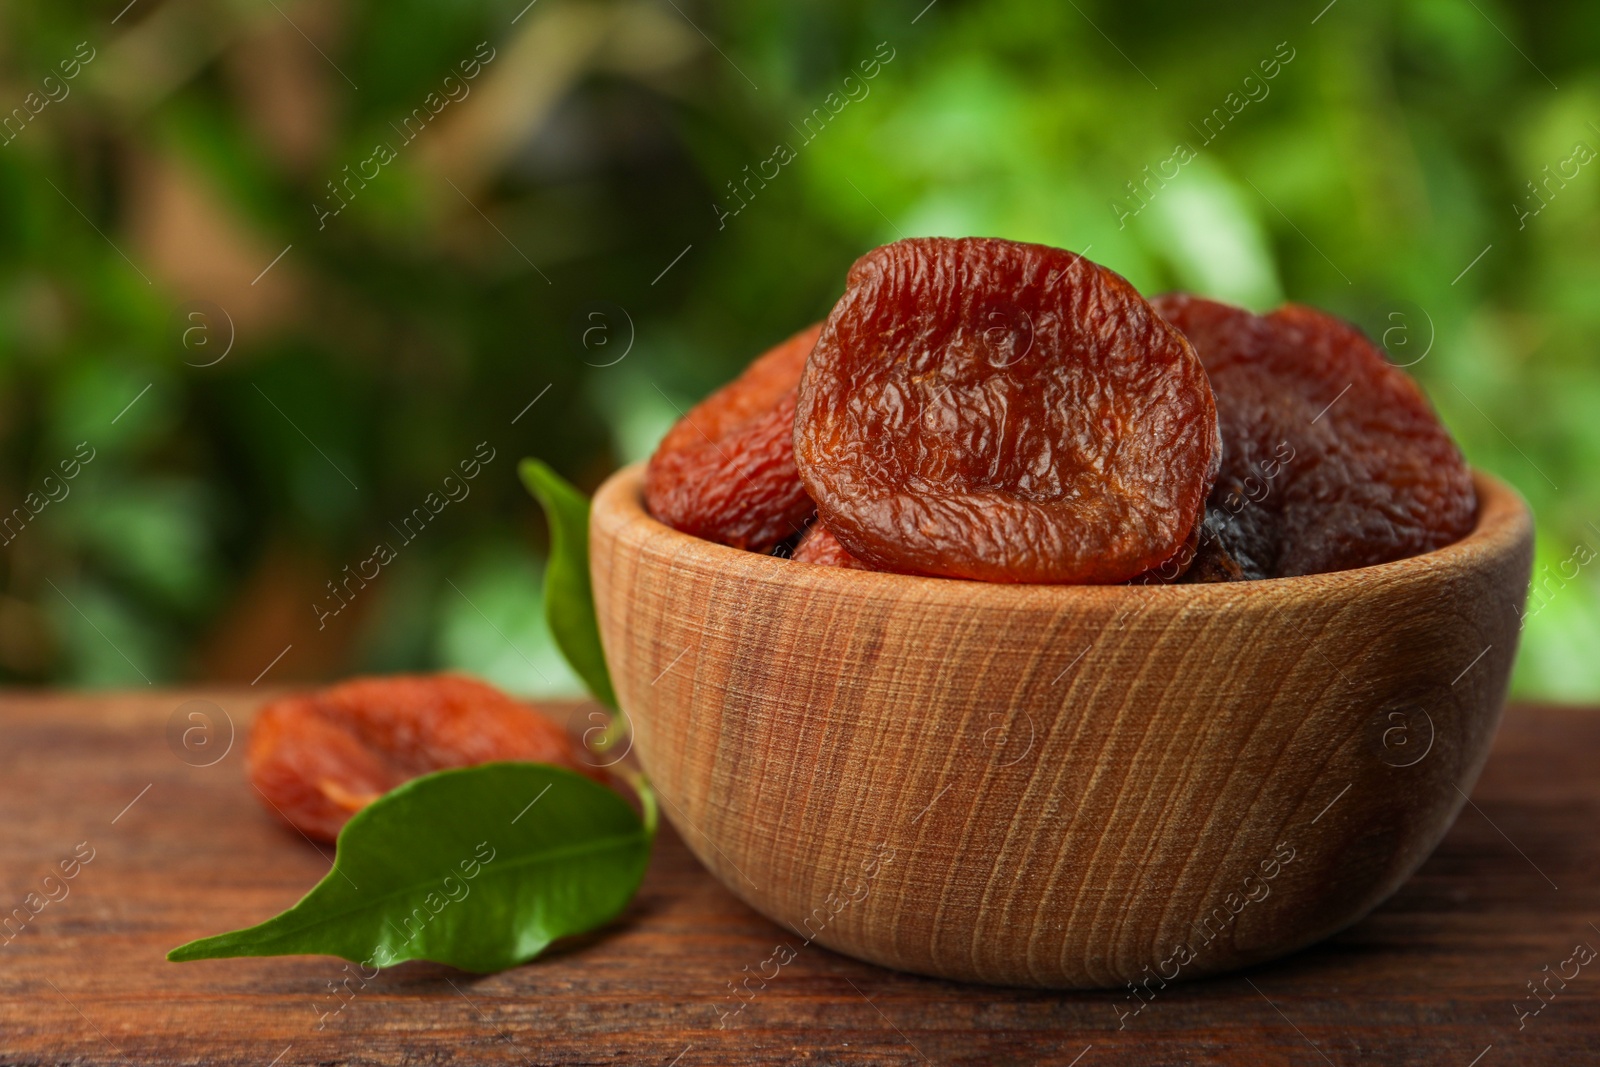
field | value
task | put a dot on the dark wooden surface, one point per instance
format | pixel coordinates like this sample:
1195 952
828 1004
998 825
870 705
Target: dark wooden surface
1431 978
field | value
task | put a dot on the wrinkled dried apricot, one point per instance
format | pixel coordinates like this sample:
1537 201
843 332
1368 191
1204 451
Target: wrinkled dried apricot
1213 562
819 546
318 758
726 471
980 408
1334 458
1174 567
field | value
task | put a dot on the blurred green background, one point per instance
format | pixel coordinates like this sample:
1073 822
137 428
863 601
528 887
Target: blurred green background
280 267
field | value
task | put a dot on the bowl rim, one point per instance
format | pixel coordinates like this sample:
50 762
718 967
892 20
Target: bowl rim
1503 525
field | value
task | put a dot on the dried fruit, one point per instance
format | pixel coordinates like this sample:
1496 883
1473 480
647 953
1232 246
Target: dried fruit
986 409
318 758
1178 564
726 471
1334 457
1213 562
819 546
1235 541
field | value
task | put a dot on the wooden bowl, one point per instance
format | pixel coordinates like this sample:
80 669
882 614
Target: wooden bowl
1060 786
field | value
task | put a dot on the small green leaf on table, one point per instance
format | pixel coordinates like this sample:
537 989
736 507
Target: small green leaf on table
568 594
478 867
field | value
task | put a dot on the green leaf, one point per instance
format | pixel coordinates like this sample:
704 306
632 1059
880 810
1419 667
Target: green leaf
568 595
476 867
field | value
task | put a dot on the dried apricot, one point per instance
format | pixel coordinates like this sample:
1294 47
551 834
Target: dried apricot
726 471
980 408
1177 565
1212 561
1334 458
318 758
819 546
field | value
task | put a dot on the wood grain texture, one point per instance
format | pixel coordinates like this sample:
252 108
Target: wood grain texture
1060 786
1429 979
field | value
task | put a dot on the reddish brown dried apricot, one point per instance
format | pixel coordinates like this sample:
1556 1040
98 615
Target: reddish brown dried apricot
1177 565
819 546
1334 458
726 471
318 758
985 409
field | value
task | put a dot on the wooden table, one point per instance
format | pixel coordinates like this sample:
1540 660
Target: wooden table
182 850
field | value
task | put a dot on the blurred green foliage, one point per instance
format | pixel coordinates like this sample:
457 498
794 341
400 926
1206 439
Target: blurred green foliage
576 207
